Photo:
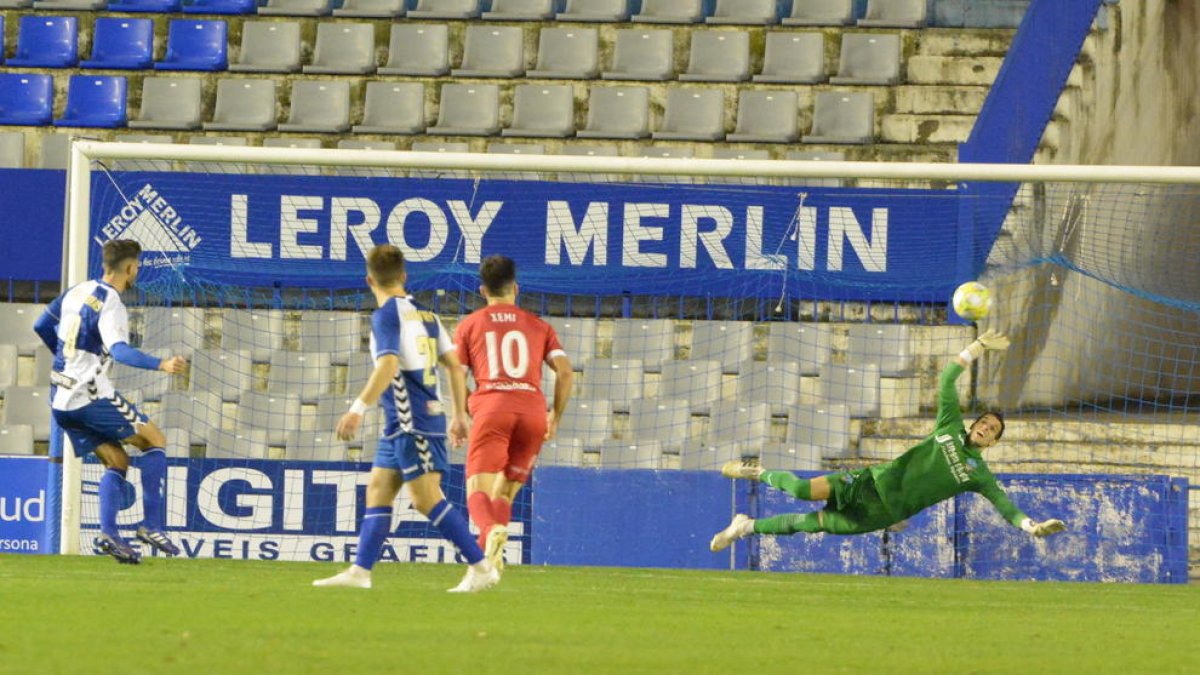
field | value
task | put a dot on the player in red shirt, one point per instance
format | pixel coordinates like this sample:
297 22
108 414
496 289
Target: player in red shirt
503 347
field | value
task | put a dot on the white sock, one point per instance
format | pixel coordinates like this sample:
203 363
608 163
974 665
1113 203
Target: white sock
482 567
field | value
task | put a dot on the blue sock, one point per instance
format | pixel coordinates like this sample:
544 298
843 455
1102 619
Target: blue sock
153 464
112 485
454 527
376 526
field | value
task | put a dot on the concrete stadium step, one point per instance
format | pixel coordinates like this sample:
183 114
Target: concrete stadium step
964 42
1174 431
971 70
926 128
934 99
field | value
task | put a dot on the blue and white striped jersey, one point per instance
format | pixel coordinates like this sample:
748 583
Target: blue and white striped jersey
91 319
417 337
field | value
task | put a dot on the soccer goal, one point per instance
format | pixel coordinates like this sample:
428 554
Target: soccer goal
793 311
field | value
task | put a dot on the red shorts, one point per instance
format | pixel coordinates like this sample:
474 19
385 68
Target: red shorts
505 442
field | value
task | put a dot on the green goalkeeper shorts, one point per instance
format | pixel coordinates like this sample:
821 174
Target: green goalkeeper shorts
854 506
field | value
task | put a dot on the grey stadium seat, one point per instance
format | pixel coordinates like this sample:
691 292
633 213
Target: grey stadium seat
269 47
738 153
766 116
142 164
55 150
12 150
337 333
439 146
16 325
365 171
393 108
886 345
69 5
169 103
791 457
543 111
868 58
663 420
468 110
374 9
306 375
259 331
618 112
277 414
29 405
152 384
794 58
358 369
642 55
856 386
567 53
330 409
727 342
825 426
895 14
637 454
758 12
589 420
217 167
821 13
43 363
581 150
597 11
296 7
815 156
244 105
516 149
492 51
697 382
693 115
808 344
16 439
520 10
197 413
8 365
670 11
561 451
577 337
319 106
774 382
708 457
314 446
343 49
618 381
223 372
650 340
179 443
290 169
445 9
418 49
843 117
241 444
356 144
718 56
747 424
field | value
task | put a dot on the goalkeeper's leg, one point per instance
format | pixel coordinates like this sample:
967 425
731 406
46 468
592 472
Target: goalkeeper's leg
816 489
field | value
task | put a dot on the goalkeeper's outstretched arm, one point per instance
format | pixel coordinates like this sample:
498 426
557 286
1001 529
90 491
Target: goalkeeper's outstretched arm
1016 516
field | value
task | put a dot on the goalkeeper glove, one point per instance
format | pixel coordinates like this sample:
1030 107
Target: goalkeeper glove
992 340
1044 528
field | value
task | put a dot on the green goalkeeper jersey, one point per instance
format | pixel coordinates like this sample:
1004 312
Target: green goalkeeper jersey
941 466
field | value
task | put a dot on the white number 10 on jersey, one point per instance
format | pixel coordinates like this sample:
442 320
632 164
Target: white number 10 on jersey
515 364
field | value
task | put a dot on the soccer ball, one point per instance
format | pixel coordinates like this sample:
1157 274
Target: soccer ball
972 301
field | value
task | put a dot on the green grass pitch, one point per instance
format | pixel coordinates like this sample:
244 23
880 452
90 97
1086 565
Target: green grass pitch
78 615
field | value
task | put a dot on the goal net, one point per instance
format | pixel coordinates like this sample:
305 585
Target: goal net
794 312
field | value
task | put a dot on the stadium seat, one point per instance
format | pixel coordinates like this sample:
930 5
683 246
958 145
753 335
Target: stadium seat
170 103
807 344
886 345
894 14
567 53
670 11
662 420
618 381
12 151
791 457
589 420
766 116
520 10
338 333
418 49
638 454
217 167
26 99
668 153
16 439
718 56
153 384
439 146
224 372
773 382
582 150
195 45
843 117
291 169
28 405
358 369
617 112
318 446
296 8
561 451
825 426
793 58
121 44
46 42
642 55
179 443
697 382
868 58
543 111
445 9
517 149
165 6
15 4
343 49
693 115
577 337
43 363
69 5
331 408
756 12
177 329
260 331
277 414
468 110
595 11
736 153
242 444
821 13
650 340
244 105
393 108
94 101
305 374
269 47
815 156
8 365
319 106
220 7
365 171
857 386
373 9
745 423
708 457
727 342
492 51
359 144
55 151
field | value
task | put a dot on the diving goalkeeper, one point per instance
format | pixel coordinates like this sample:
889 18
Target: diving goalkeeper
947 463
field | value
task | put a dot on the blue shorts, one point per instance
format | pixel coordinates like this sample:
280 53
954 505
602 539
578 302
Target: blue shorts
412 455
105 420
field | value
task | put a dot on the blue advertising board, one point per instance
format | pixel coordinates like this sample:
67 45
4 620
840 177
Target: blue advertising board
22 504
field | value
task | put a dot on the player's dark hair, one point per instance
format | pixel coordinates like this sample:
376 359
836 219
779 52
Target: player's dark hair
999 418
498 272
118 251
385 264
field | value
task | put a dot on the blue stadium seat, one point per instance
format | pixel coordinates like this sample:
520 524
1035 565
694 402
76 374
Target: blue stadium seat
221 7
122 44
94 101
26 99
195 45
47 42
145 5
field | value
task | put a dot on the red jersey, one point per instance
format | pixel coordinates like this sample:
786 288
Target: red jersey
505 346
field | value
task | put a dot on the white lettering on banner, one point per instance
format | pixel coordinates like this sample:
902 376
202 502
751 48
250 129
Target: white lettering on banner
755 259
239 245
29 545
806 239
259 504
690 236
561 230
291 226
29 509
473 229
340 209
347 494
635 233
439 231
844 226
293 500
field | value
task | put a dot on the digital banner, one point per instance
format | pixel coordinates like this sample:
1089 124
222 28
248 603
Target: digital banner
602 238
22 504
272 510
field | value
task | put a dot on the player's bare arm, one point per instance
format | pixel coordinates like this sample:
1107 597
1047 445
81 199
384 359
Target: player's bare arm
385 368
564 378
458 427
